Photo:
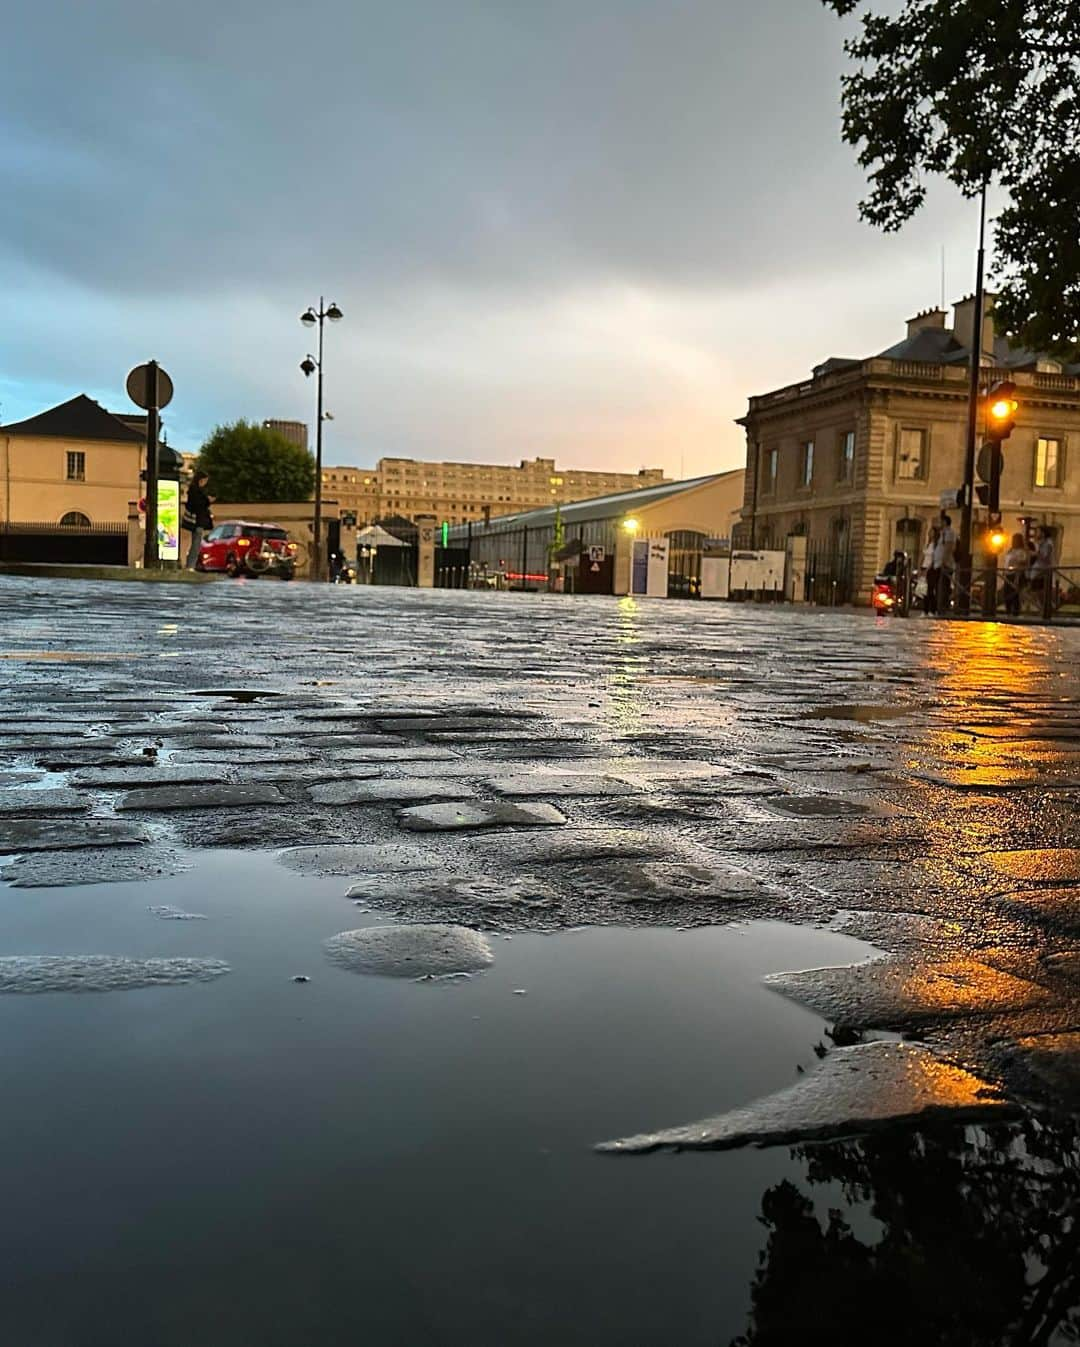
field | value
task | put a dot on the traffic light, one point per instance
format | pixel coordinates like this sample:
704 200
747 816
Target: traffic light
1001 408
445 533
995 534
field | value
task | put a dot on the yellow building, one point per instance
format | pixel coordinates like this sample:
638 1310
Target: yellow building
75 464
458 492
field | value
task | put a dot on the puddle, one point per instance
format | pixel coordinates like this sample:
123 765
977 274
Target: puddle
408 1128
354 1148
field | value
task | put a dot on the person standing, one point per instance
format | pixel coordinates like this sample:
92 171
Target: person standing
1042 564
197 516
1014 564
928 579
945 562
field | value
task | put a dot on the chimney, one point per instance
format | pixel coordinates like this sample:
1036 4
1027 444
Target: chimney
934 318
964 323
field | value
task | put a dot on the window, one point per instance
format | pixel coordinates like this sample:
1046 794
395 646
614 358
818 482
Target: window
76 467
911 456
1047 462
846 465
772 466
75 519
806 471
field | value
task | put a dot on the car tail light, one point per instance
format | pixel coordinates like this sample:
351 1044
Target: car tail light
292 547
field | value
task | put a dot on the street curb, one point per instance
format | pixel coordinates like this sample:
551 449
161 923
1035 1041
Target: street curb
58 571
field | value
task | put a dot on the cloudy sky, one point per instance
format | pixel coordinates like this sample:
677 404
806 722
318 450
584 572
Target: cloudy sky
582 229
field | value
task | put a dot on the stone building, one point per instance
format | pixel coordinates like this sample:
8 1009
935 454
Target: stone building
857 457
458 492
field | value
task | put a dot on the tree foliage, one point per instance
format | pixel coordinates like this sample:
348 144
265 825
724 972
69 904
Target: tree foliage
979 90
250 463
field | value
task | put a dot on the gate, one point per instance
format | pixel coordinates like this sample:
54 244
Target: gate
830 570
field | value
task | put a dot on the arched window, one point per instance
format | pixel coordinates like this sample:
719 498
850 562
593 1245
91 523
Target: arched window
75 519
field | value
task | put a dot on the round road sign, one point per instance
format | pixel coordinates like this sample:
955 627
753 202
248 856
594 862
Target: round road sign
989 461
138 387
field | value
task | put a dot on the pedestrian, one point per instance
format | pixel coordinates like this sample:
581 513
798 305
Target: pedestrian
1041 571
945 563
197 517
927 587
1015 565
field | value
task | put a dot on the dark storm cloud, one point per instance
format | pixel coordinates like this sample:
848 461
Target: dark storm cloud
171 146
576 228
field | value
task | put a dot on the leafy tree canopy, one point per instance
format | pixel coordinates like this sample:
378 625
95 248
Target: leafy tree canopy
979 90
250 463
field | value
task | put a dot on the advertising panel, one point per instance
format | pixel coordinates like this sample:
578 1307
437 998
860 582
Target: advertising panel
168 519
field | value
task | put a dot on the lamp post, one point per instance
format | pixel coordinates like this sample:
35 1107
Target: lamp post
311 366
963 598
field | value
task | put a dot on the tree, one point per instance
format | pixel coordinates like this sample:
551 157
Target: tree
251 463
975 91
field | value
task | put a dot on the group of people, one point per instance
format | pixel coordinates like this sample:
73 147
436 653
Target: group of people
1028 564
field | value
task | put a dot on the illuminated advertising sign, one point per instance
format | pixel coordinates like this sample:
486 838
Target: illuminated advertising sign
168 519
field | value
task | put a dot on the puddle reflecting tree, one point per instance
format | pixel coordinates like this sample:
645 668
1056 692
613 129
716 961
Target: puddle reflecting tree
949 1236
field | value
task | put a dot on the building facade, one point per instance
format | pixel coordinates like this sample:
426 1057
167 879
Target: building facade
75 464
858 457
458 492
588 545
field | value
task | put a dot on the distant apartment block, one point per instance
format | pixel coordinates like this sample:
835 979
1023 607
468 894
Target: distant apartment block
294 431
458 492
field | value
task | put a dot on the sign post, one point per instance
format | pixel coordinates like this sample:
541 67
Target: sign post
149 387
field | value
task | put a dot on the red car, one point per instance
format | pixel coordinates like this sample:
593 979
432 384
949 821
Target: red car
240 548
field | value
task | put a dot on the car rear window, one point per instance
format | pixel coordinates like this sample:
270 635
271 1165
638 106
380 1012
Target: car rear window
265 532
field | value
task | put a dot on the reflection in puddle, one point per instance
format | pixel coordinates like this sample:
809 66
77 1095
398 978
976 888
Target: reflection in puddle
947 1236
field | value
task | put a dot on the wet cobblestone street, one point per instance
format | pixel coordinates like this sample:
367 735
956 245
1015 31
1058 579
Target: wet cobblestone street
456 774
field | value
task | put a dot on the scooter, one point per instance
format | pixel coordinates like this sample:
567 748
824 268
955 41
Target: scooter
883 597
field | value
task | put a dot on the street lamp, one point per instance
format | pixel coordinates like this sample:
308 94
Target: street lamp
312 365
631 526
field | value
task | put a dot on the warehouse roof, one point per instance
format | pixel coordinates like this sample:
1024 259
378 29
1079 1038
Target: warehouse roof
598 507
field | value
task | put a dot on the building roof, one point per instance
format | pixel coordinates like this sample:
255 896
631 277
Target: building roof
939 346
597 507
81 418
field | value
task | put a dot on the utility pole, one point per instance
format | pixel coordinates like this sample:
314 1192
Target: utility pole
963 598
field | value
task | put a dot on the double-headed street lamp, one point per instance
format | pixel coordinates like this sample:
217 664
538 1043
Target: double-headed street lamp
310 365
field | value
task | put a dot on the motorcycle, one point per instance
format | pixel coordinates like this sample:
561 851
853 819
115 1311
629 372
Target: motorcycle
342 571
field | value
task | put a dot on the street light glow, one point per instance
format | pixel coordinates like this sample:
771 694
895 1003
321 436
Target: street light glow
1003 408
631 525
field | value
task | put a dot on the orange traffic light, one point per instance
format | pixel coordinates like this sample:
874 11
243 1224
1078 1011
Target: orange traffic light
1001 409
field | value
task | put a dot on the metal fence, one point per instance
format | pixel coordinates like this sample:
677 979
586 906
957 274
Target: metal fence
830 573
67 544
991 592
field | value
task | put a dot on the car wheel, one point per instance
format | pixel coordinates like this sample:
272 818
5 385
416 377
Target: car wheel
288 573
